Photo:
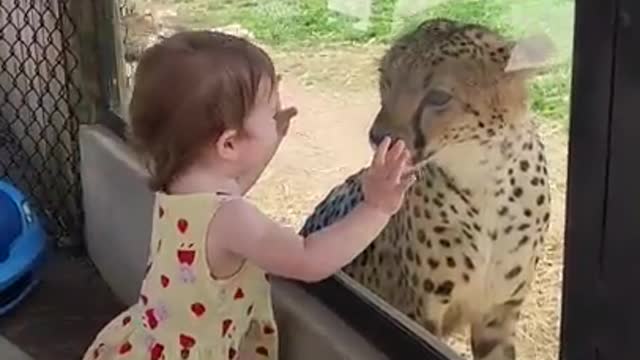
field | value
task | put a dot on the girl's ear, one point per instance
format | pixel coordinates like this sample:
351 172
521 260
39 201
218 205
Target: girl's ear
227 145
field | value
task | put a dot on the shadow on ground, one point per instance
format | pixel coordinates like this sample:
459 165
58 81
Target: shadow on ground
61 317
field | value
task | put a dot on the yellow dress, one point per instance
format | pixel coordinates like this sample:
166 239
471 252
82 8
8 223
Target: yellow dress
183 312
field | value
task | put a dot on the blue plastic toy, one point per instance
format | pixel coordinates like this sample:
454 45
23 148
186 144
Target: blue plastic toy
23 247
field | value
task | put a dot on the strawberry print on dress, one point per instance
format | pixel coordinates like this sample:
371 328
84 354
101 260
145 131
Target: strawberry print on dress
97 350
198 309
261 350
157 352
164 280
183 225
226 325
187 341
268 330
125 348
186 254
239 294
174 317
155 316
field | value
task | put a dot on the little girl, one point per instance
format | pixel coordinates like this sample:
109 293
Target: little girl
206 113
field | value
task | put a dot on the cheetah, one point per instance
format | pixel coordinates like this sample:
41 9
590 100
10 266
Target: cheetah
463 248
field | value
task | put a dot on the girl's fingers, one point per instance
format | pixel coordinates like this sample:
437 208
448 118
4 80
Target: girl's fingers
396 151
380 155
398 167
286 114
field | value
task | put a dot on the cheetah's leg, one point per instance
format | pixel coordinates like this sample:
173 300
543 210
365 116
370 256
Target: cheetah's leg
432 317
493 338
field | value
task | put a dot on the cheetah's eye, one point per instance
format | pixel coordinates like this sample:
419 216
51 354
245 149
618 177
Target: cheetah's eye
437 97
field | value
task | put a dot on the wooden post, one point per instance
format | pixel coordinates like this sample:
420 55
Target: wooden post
97 47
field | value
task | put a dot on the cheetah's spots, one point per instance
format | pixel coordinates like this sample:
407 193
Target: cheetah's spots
416 211
433 263
445 243
524 226
469 263
445 288
517 192
503 211
514 302
422 237
508 230
522 242
409 254
513 272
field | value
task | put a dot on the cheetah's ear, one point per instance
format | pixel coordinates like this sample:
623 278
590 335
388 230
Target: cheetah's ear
531 54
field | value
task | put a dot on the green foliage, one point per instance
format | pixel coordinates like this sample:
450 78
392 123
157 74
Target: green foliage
302 22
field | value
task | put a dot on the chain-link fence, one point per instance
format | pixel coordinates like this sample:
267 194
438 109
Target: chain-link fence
39 150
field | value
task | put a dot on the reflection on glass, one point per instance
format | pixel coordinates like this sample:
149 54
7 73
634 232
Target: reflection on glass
465 245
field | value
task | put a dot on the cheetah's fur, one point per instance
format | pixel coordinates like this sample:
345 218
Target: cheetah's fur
464 246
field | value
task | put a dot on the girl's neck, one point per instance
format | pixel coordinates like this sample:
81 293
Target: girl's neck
200 181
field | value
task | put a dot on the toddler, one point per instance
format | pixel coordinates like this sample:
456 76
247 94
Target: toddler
205 113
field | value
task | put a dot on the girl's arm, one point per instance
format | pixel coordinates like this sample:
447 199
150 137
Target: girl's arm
245 231
240 228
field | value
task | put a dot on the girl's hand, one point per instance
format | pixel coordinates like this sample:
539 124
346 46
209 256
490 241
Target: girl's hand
283 119
283 116
388 177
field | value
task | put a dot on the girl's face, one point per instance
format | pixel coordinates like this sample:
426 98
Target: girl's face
261 137
264 130
247 153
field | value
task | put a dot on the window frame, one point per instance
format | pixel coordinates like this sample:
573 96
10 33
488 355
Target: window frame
598 316
599 222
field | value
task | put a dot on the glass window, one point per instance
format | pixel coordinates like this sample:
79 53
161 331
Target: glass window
479 242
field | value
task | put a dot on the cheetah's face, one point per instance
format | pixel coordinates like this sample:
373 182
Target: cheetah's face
445 83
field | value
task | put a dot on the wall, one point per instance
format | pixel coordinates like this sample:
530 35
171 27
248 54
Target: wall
117 206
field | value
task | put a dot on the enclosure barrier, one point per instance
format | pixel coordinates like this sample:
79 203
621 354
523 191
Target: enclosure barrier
39 104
